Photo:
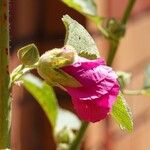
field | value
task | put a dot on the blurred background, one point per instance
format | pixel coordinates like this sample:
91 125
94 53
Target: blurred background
39 22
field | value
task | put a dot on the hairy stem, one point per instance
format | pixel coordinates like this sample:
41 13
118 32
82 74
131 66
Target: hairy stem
114 44
4 77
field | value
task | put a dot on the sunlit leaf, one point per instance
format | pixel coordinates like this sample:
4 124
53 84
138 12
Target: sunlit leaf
79 39
122 114
84 6
43 94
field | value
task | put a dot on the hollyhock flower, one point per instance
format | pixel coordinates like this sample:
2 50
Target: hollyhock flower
99 88
92 85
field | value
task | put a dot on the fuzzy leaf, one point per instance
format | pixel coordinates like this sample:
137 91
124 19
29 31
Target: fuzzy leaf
44 95
79 39
122 114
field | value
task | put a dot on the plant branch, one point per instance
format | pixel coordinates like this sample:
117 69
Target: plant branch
137 92
127 12
76 143
115 43
4 77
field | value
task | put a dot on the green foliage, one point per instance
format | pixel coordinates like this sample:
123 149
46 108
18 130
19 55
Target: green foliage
80 39
84 6
44 95
122 114
28 55
88 9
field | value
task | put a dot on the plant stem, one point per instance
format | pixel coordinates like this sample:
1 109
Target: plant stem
132 92
114 44
112 52
76 143
4 77
137 92
127 12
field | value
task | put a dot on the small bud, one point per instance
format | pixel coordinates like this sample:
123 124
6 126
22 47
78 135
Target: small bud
28 55
124 78
65 135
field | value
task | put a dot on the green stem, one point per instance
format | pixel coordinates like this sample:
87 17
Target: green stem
4 77
19 71
137 92
76 143
112 52
133 92
114 44
127 11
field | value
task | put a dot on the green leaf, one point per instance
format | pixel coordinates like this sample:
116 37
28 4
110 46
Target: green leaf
79 39
147 77
43 94
84 6
122 114
28 55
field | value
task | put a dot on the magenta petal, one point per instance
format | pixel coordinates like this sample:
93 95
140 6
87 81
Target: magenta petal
95 98
91 111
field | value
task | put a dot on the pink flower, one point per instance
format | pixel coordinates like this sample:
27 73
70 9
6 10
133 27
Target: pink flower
94 99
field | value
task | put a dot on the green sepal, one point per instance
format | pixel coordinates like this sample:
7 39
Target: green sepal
28 55
50 64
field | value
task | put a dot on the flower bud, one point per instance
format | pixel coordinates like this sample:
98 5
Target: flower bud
66 135
28 55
